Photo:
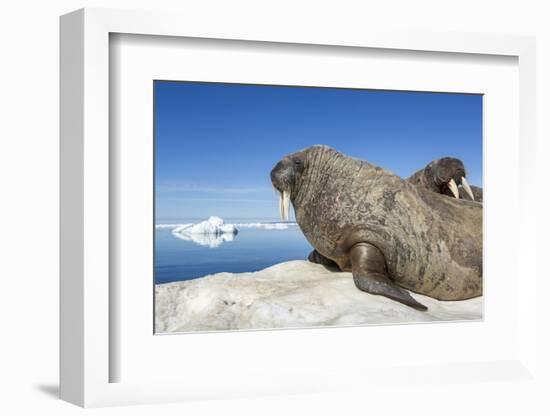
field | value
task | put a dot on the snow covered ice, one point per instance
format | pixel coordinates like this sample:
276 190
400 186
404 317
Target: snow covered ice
291 294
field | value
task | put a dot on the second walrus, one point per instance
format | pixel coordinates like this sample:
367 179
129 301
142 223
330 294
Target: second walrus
447 176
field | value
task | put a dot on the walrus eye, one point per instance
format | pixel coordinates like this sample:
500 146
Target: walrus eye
299 165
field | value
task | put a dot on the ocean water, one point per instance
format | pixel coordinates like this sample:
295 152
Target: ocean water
251 249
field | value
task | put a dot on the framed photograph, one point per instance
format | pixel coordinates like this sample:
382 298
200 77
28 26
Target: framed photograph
224 260
293 198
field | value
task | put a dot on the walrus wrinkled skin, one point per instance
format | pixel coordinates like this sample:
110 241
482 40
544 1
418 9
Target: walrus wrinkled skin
391 234
447 176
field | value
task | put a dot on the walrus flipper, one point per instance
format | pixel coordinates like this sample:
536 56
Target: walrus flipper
368 267
318 258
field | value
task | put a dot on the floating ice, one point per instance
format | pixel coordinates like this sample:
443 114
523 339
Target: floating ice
211 233
213 225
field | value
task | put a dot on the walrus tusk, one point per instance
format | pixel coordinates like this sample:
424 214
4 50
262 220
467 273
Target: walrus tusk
454 189
284 202
281 205
467 188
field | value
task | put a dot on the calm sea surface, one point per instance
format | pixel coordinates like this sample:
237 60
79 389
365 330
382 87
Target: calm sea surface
251 249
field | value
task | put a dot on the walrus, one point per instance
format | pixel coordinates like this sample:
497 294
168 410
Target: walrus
391 234
447 176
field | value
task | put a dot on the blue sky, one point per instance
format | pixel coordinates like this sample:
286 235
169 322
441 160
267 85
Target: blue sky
215 144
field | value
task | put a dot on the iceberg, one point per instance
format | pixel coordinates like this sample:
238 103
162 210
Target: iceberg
213 225
211 233
295 294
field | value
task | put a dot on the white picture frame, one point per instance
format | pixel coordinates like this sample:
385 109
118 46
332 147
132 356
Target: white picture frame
86 264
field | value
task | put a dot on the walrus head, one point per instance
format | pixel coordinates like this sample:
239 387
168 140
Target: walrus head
285 177
445 175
